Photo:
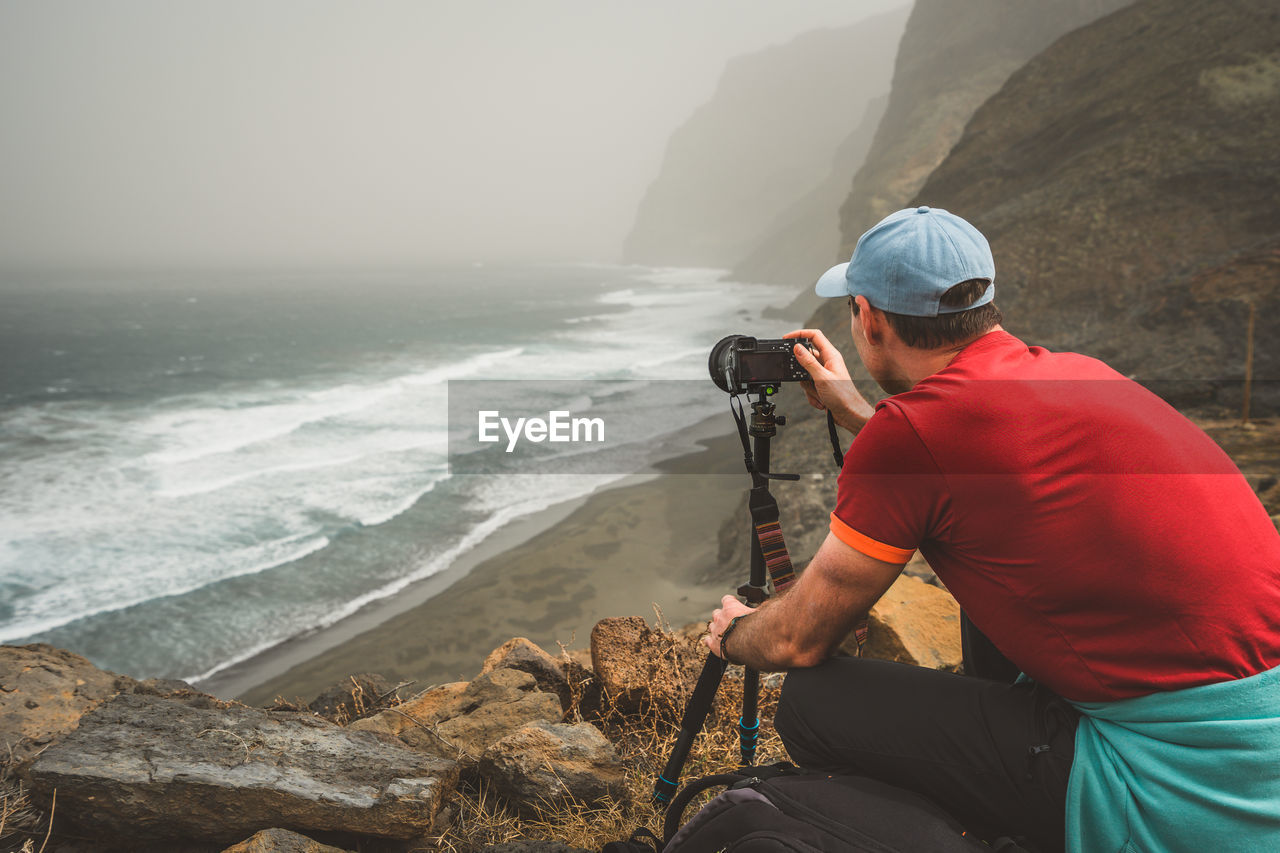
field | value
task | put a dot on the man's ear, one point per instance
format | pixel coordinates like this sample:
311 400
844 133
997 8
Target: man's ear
872 320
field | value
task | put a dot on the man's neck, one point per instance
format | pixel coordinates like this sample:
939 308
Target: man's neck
916 365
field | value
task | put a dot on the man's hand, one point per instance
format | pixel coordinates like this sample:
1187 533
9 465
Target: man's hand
830 388
804 625
730 607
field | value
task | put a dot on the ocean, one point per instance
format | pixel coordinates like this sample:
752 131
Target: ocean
198 467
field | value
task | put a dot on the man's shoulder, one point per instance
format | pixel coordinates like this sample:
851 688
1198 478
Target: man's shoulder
889 443
1000 355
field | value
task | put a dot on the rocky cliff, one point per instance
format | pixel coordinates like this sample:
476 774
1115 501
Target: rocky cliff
1127 178
806 236
765 139
949 62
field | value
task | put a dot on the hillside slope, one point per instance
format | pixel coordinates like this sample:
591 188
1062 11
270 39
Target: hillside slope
1128 181
807 235
764 140
951 59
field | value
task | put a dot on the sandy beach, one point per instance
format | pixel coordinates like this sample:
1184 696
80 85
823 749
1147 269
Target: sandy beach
621 551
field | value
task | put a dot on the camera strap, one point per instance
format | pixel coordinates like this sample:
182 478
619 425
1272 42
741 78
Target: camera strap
836 453
765 516
764 510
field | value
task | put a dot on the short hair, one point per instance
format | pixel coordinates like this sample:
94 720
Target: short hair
947 329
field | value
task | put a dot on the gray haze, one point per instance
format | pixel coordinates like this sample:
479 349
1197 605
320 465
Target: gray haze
316 133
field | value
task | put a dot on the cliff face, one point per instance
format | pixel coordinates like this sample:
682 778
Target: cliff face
1128 180
807 235
765 139
951 59
949 62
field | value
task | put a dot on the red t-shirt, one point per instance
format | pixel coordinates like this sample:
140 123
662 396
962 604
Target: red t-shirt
1101 540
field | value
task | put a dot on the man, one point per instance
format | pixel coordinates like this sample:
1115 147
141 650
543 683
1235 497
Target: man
1104 544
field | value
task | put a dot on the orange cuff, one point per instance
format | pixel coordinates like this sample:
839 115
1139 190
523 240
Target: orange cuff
866 545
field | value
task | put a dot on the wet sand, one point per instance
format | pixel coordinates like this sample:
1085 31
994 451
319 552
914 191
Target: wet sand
619 552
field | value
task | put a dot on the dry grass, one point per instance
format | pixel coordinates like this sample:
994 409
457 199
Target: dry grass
644 739
22 825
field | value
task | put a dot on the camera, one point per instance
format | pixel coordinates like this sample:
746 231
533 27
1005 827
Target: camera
740 364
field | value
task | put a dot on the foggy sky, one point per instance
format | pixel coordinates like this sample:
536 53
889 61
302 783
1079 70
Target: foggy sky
311 133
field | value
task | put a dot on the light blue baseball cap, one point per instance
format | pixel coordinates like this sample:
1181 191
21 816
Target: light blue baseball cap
909 259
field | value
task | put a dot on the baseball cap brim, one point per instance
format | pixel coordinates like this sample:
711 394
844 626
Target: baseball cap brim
833 282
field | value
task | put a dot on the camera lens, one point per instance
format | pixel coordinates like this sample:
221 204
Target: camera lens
721 360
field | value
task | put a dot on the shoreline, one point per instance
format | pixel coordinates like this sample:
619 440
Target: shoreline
271 663
549 575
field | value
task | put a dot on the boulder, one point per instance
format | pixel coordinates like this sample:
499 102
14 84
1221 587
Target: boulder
637 665
915 623
524 655
427 708
44 691
493 706
547 764
178 691
144 767
357 696
461 720
281 841
918 567
169 687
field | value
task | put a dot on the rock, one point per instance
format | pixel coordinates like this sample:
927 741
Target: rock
43 693
356 697
691 632
461 720
493 706
546 764
178 691
164 687
522 654
636 665
142 767
914 623
919 567
428 707
281 841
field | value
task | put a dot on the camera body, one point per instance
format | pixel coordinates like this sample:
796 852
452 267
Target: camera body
741 364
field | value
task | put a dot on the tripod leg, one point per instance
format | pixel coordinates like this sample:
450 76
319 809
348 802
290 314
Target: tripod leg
749 722
695 714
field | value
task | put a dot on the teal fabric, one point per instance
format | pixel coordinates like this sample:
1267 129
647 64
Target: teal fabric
1191 770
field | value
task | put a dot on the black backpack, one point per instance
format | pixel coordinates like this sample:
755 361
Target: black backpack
779 808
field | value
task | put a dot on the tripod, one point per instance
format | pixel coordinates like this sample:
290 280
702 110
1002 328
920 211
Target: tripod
769 559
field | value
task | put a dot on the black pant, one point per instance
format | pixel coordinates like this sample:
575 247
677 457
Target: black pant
973 746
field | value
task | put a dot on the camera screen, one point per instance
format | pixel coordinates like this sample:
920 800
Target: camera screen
761 366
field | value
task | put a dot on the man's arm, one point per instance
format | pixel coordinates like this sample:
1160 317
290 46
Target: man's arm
805 625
